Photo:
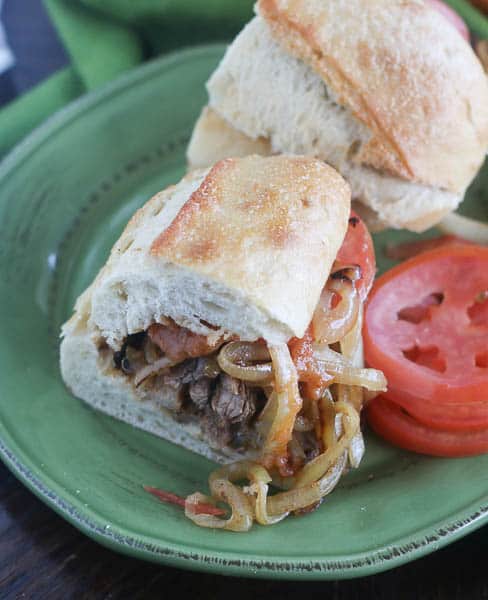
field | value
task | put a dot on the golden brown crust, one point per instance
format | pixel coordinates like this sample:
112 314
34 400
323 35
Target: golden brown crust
269 227
248 200
405 72
201 202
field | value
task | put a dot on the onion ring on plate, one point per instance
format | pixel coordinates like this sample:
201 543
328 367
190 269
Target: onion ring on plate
316 468
298 498
261 478
224 490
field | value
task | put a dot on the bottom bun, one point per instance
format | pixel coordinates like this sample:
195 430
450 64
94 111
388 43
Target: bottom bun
87 376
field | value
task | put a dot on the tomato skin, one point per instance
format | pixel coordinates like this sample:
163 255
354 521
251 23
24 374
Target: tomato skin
460 271
467 416
357 249
397 427
426 328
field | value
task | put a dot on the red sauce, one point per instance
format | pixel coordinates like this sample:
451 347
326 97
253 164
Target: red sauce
312 376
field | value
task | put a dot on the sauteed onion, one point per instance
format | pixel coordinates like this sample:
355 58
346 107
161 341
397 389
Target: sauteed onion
305 445
345 372
331 322
243 360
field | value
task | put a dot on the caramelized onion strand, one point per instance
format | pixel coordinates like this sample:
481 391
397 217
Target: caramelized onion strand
316 468
331 324
344 372
287 404
298 498
240 360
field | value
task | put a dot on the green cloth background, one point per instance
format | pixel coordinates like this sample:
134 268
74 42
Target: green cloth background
104 38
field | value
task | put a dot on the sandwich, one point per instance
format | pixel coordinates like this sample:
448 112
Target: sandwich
227 320
387 92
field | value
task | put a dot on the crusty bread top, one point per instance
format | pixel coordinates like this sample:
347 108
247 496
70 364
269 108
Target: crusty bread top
268 227
405 72
246 247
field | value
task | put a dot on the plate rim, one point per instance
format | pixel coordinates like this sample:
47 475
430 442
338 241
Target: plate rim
380 559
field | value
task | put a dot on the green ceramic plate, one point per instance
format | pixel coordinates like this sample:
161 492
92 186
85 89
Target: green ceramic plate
65 194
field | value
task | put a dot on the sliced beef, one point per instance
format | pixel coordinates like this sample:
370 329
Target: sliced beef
193 378
223 406
233 400
188 371
226 421
200 392
216 429
181 374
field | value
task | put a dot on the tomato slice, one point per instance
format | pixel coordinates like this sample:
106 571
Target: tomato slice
399 428
461 416
357 249
426 326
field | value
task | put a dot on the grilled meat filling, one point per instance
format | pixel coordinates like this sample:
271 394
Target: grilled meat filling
225 407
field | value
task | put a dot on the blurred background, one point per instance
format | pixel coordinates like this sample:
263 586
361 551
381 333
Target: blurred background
27 34
52 51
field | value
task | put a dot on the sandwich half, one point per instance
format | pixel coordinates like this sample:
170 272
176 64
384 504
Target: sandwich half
225 321
386 91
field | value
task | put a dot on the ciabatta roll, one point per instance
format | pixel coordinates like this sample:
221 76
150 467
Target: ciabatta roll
387 92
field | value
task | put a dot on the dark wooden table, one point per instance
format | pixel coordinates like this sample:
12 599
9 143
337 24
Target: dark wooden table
41 556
